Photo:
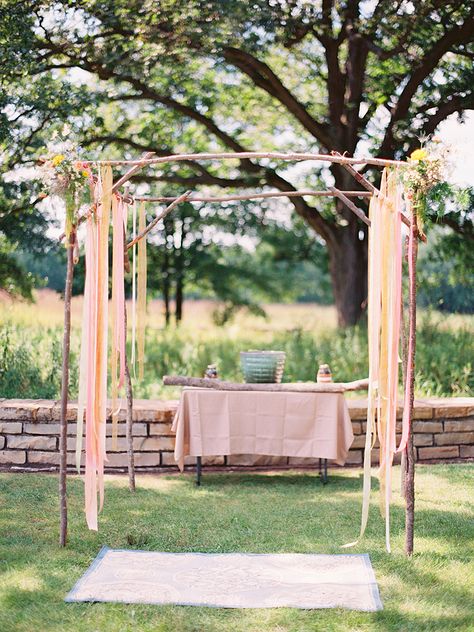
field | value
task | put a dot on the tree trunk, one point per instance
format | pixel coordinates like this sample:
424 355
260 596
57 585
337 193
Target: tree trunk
348 268
179 296
179 299
166 287
348 256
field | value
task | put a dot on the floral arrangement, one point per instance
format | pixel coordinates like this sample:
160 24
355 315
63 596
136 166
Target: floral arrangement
62 173
425 176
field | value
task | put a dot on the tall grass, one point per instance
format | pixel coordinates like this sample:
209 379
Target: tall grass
30 352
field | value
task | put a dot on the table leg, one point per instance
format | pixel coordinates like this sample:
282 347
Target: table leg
323 470
198 470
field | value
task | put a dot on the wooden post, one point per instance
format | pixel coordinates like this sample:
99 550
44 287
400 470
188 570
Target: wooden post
64 390
409 456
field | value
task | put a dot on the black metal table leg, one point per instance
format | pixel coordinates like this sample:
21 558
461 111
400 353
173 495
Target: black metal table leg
323 470
198 470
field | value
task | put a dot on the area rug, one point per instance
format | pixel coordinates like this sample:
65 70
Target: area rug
230 580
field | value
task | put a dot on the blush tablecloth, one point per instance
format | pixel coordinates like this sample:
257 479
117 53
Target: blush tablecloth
210 423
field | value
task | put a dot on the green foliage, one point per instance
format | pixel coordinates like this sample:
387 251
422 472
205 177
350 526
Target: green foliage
446 269
13 277
444 360
21 226
30 360
181 75
199 249
48 268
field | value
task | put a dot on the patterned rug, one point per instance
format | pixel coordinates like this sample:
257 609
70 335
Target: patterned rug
230 580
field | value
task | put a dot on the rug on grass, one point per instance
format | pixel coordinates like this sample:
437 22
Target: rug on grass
230 580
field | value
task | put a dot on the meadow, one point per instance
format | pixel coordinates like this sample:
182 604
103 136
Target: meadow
31 342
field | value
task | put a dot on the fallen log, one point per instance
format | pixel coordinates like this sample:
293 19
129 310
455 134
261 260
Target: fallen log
292 387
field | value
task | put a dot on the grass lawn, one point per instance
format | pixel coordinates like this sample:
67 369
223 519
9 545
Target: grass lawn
252 512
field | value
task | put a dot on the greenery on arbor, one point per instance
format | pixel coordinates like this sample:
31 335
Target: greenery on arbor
183 75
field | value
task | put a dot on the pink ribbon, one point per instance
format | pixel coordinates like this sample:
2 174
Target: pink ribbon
409 375
118 281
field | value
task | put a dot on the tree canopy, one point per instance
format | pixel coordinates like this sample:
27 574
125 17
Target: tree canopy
183 75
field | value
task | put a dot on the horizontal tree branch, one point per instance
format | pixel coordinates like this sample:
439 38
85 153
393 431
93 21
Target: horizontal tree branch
252 196
158 218
290 387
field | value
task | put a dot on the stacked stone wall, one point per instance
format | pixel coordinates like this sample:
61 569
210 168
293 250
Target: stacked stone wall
29 435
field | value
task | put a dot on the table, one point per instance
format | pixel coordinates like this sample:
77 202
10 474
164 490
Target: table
214 422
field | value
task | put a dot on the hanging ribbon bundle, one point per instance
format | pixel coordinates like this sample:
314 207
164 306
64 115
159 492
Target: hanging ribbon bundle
141 292
93 363
92 402
389 341
119 219
384 315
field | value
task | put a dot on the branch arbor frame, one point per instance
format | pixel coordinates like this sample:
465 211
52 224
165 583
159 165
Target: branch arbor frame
148 159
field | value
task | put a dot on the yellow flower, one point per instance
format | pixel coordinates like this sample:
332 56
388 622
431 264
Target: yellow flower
85 174
419 154
57 160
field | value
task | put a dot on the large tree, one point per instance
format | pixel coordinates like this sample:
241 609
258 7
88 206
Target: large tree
184 75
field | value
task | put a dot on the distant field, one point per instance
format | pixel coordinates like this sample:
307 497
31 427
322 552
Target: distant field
31 337
48 311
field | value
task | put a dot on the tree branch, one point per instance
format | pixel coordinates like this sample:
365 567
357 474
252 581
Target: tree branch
456 104
309 213
196 180
456 35
264 77
204 175
106 73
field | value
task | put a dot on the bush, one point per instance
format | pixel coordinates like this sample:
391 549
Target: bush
30 362
30 357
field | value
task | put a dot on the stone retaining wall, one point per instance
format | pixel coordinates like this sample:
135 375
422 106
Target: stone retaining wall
29 435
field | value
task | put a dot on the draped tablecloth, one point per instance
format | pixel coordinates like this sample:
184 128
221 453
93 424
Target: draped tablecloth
211 422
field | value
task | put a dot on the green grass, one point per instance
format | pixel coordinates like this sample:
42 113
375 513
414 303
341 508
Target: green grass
261 513
31 342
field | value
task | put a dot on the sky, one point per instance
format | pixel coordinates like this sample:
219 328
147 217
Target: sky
461 138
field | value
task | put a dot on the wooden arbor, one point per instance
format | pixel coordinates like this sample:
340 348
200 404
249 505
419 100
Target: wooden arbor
148 159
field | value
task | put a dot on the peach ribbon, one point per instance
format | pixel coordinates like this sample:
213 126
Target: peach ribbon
96 308
384 301
391 266
119 215
141 292
134 289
